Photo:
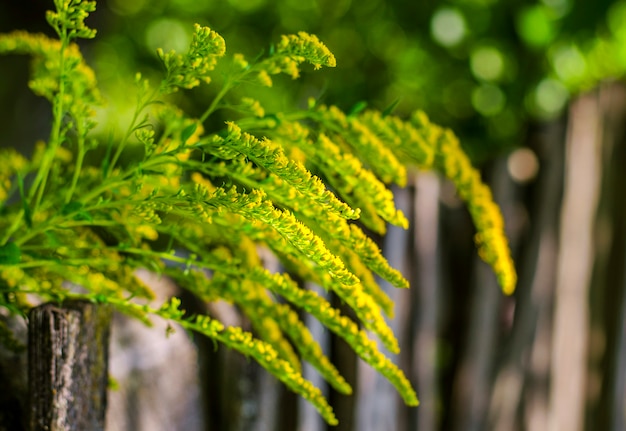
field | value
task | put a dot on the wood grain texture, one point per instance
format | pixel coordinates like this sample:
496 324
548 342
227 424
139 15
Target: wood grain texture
68 358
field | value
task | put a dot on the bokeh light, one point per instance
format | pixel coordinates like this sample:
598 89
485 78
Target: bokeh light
487 63
447 27
558 8
549 98
536 26
488 99
569 63
523 165
168 34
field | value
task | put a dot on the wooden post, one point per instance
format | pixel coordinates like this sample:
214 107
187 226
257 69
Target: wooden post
575 265
67 366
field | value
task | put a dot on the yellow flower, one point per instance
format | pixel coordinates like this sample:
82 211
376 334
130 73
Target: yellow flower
264 78
147 232
307 47
253 105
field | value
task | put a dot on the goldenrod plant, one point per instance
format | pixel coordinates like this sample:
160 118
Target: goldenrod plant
200 206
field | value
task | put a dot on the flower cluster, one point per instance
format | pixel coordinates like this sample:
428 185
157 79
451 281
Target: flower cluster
289 54
417 142
11 162
69 18
80 82
189 70
492 244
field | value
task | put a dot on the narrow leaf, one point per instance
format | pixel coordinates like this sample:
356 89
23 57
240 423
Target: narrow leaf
187 132
75 208
27 212
358 107
389 109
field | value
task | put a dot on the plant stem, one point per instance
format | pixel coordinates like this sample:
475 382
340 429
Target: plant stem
39 185
79 163
14 226
213 106
57 222
141 105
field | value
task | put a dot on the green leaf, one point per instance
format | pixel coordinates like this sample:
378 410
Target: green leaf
71 207
358 107
75 208
27 212
106 160
187 132
389 109
10 254
148 172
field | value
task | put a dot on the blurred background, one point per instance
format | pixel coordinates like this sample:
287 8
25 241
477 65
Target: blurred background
535 91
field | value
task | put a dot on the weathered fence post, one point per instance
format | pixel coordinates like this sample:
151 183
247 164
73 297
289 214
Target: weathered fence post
67 366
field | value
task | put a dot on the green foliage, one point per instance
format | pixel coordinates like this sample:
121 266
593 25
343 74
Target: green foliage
198 205
580 64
